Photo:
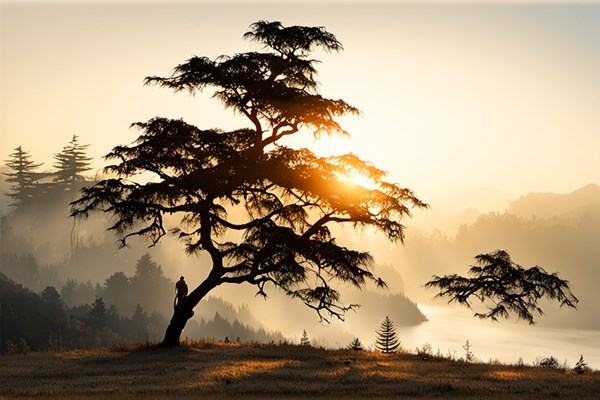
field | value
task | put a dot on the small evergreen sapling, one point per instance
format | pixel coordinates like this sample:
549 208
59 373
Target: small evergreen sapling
304 340
469 356
386 339
356 345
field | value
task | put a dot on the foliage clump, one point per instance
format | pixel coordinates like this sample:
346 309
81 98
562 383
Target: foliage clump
549 362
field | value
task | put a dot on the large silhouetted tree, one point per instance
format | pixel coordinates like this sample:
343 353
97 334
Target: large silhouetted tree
23 178
260 209
505 286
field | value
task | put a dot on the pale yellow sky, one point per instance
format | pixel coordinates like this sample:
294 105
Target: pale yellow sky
454 96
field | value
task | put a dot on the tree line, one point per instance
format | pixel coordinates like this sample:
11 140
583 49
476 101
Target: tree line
82 315
38 322
28 185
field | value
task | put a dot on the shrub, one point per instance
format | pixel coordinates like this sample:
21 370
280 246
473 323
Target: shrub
549 362
20 347
426 350
581 367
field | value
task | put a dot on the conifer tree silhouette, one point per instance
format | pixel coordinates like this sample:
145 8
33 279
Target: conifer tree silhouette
386 339
23 179
304 340
71 162
355 345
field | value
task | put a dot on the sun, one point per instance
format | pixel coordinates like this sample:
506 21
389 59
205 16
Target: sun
358 179
361 180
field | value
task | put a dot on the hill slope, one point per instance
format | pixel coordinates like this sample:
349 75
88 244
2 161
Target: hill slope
549 205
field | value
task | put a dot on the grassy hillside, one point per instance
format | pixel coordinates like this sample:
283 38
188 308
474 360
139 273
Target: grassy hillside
210 370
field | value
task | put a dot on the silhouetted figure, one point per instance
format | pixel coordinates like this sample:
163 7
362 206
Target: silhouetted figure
181 290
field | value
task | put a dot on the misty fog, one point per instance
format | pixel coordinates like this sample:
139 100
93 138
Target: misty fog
42 246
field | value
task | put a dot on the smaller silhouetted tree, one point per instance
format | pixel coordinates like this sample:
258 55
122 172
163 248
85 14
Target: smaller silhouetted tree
386 339
508 286
53 308
117 291
139 323
150 287
71 163
356 345
23 179
469 356
581 367
98 315
304 340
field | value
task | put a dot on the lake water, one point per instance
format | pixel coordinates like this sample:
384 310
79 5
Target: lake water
449 328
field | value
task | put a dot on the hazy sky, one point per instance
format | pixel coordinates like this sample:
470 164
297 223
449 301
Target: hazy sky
454 96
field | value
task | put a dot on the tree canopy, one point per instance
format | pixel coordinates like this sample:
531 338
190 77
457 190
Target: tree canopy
260 209
508 286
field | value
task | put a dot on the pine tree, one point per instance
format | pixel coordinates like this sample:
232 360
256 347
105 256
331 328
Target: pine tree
469 356
356 345
304 340
386 339
98 315
149 277
24 178
71 162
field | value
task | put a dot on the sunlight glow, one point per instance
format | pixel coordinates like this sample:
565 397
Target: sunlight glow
358 179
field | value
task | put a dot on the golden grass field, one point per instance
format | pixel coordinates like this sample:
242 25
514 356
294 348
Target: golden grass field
209 370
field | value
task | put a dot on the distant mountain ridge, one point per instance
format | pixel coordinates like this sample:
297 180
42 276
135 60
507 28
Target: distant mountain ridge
551 205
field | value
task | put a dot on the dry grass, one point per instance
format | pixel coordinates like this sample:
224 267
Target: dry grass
212 370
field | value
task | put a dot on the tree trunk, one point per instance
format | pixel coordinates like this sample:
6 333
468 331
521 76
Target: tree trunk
183 312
